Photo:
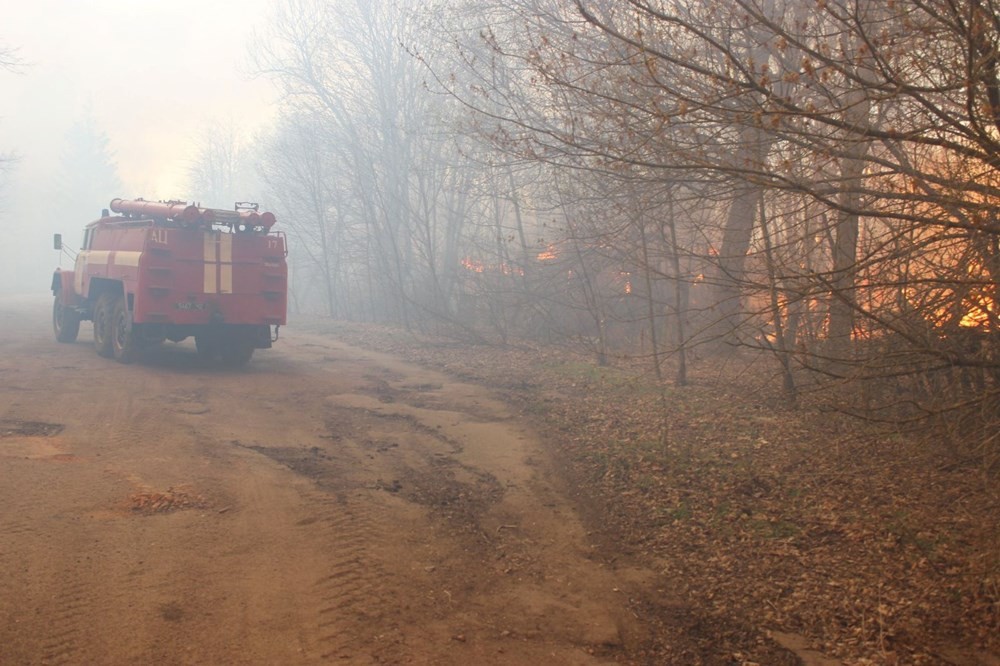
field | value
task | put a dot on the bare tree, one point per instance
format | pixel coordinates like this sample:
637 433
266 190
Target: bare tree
220 171
845 156
88 177
9 62
303 181
645 175
346 65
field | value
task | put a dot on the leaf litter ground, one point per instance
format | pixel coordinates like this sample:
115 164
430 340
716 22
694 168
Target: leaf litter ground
781 535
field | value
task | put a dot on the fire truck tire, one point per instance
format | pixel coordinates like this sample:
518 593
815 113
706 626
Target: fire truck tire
102 325
124 342
237 354
207 346
65 322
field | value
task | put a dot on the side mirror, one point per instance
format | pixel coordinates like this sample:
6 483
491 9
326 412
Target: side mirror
57 242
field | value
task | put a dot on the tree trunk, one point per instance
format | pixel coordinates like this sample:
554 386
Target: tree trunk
845 248
731 263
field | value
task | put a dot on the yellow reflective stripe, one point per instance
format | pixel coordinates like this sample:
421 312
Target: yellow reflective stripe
210 247
210 253
79 268
98 256
127 258
225 263
210 285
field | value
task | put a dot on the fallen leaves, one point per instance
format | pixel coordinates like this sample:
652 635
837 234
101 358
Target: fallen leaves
148 502
871 546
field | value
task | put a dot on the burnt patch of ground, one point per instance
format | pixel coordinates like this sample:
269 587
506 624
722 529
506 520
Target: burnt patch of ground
860 544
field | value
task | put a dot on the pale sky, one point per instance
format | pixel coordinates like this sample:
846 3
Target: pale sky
152 72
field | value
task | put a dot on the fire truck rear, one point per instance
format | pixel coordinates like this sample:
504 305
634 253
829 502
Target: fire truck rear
169 270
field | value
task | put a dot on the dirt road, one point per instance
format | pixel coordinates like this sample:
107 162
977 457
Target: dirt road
324 504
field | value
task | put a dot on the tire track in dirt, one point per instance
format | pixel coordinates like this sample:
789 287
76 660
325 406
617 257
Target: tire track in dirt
348 599
357 462
16 527
348 591
69 622
25 446
449 450
351 589
61 605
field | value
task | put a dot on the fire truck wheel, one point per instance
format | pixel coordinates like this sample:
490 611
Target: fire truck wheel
102 325
123 339
237 354
65 322
207 346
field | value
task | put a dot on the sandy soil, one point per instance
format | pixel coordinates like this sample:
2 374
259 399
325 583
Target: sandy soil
324 504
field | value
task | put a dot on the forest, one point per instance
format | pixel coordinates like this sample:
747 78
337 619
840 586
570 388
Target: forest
811 180
785 199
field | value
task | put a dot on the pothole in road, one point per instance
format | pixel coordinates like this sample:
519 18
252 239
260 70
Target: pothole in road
25 440
312 463
19 428
457 495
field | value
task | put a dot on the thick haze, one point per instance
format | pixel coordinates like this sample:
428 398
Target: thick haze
152 76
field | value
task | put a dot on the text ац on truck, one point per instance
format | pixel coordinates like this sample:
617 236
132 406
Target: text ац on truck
168 270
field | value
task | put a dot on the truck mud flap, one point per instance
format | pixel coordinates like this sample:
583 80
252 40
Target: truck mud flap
262 337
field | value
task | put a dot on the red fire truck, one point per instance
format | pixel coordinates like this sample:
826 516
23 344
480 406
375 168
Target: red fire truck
170 270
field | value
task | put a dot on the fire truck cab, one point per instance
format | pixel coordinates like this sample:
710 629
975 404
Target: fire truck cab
170 270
